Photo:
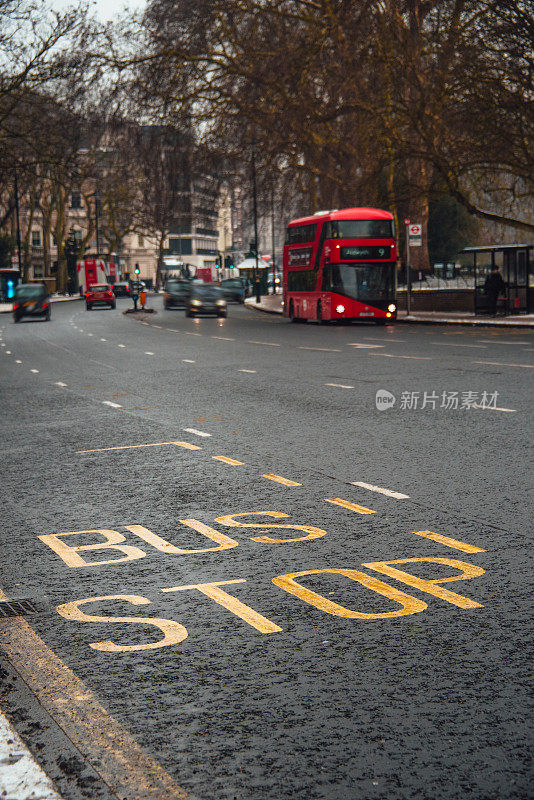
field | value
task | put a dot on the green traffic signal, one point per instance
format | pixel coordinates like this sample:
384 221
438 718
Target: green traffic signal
137 270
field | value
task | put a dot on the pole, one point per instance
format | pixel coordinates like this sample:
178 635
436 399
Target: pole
255 201
17 216
408 273
272 238
97 231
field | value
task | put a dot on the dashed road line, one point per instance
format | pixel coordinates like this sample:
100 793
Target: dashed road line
60 383
188 361
448 542
389 355
457 344
247 370
191 333
112 405
196 432
338 501
362 346
498 341
224 338
227 460
157 326
340 385
35 371
103 340
17 361
380 490
8 352
494 408
121 345
148 353
504 364
279 479
267 344
382 339
322 349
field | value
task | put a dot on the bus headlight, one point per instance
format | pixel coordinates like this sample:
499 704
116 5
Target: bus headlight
388 313
392 307
340 309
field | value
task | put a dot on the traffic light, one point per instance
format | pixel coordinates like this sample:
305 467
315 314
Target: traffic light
136 269
228 262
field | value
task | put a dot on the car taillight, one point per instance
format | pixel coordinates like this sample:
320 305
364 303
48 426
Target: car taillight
87 294
15 306
45 305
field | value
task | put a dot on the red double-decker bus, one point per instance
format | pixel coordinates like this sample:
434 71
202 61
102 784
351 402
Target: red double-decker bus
341 265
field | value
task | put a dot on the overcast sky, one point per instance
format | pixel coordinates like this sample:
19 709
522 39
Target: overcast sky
105 9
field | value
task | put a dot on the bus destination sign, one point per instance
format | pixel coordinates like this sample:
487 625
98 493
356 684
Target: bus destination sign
374 252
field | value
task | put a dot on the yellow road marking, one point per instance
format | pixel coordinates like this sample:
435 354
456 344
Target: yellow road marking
134 446
337 501
105 743
228 460
446 540
279 479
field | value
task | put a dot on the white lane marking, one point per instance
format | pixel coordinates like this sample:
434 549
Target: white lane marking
197 433
247 370
188 361
224 338
267 344
34 370
457 344
148 353
121 345
144 323
323 349
494 408
498 341
20 775
172 330
388 355
8 352
157 326
109 403
382 339
17 361
340 385
380 490
504 364
90 334
103 340
60 383
365 346
191 333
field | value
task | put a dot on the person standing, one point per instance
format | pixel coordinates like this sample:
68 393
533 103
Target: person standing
494 286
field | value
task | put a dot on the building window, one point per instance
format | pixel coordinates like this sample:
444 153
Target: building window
140 241
36 238
76 200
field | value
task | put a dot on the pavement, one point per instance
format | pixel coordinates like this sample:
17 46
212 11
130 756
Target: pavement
266 561
272 304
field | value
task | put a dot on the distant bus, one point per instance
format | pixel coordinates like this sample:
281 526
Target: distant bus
341 265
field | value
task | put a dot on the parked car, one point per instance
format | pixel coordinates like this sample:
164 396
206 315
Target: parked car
176 293
99 294
31 300
234 289
206 298
121 289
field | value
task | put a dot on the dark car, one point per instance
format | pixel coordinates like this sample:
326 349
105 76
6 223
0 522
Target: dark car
121 289
234 289
99 294
206 299
176 293
31 300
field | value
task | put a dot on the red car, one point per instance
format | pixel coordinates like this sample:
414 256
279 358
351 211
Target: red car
99 294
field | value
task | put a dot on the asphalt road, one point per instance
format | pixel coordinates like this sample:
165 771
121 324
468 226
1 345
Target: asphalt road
214 609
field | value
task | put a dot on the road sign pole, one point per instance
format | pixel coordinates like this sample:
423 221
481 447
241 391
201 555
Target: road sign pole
408 275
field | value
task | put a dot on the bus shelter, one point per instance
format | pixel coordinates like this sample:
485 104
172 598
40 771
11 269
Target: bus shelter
514 262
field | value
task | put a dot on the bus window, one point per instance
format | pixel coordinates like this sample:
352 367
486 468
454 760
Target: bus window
360 229
300 234
362 281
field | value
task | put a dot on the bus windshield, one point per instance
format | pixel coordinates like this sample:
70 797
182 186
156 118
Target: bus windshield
360 229
359 281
